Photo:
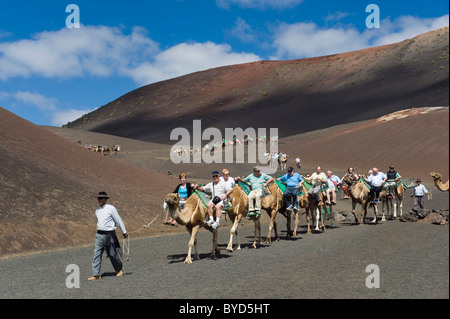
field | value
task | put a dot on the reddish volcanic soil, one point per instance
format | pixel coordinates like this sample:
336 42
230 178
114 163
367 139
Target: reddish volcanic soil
48 189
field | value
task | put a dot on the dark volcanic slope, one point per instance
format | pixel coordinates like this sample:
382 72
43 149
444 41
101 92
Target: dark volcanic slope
295 96
48 187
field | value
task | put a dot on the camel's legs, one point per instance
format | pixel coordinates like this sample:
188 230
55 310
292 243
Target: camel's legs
192 243
317 211
296 223
257 231
272 225
234 232
215 247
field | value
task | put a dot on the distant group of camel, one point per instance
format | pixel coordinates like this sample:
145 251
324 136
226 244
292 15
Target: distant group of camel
105 150
194 214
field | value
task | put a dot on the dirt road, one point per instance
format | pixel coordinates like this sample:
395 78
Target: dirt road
412 259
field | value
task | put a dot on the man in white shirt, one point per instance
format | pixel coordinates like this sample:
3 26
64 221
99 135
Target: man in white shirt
219 191
376 180
419 192
107 220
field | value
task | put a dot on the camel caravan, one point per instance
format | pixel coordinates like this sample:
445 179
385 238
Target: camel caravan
239 198
105 150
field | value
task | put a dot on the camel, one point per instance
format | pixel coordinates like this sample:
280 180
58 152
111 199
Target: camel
240 209
273 204
359 193
282 162
303 202
390 205
438 182
193 217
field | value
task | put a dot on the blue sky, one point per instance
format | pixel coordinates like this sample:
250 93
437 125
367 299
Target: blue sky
51 74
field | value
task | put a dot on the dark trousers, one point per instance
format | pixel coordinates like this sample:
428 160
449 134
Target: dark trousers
375 190
418 201
290 196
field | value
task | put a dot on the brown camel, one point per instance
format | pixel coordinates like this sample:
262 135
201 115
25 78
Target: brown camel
240 209
193 217
438 182
273 204
359 194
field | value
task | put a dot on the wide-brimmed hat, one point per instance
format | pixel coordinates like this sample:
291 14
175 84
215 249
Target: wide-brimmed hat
102 195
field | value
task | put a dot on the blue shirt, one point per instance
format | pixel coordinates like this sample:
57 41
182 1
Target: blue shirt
183 191
291 181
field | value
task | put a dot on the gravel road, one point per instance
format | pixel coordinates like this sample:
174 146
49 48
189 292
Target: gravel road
412 259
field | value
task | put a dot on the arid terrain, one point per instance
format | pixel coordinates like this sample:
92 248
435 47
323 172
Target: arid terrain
377 107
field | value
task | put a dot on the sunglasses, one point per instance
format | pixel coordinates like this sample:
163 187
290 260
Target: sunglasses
215 175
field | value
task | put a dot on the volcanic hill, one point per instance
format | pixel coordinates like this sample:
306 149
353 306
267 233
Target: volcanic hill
295 96
48 188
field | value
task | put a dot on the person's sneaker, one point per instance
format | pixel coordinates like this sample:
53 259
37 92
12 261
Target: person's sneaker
210 222
289 208
215 225
328 202
333 202
251 213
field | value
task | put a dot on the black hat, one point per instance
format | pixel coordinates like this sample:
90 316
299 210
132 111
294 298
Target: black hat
215 173
391 167
102 195
290 169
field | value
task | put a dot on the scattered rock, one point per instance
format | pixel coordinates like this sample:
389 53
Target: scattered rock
337 217
409 217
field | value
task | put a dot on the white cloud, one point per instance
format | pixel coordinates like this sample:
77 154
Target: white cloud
97 51
49 106
308 40
259 4
103 51
187 58
301 40
62 117
243 31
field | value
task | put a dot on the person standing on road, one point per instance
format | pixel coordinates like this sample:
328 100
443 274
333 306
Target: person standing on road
107 220
419 192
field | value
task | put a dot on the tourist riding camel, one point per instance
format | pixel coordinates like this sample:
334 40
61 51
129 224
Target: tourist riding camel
219 191
258 181
392 179
376 180
333 182
294 182
317 179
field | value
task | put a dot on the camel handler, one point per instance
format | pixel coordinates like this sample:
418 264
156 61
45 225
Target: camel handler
317 179
107 219
419 192
257 181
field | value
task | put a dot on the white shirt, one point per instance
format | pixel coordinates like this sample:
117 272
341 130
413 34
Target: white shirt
219 189
420 190
230 182
377 180
108 218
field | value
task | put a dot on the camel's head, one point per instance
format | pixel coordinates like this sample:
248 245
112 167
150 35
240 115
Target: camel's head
349 181
172 200
435 176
